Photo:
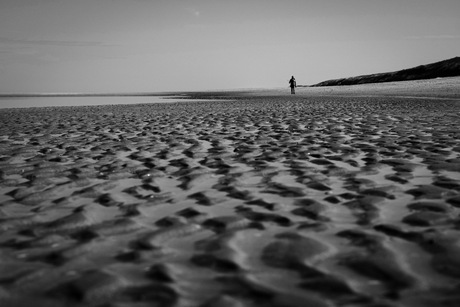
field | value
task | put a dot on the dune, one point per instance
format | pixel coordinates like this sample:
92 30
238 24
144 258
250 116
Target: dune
441 69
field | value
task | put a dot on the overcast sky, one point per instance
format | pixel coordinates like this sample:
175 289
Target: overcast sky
179 45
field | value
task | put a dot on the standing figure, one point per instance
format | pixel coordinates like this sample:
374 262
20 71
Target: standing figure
292 84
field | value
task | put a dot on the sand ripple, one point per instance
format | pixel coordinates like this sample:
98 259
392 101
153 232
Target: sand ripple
263 201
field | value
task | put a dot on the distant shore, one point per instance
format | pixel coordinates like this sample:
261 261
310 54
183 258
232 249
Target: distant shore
435 88
441 88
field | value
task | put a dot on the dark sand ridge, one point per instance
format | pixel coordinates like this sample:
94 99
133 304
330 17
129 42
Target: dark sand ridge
265 199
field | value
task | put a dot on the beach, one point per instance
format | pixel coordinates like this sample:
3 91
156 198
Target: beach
339 196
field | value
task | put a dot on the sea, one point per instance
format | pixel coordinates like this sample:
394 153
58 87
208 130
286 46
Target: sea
76 100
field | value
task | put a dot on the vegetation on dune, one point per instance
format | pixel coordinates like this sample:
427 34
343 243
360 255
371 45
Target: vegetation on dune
446 68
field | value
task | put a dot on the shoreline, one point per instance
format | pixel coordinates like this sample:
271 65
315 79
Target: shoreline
433 85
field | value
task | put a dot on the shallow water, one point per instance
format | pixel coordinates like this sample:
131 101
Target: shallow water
55 101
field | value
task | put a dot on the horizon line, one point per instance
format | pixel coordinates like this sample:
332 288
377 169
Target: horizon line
133 94
85 94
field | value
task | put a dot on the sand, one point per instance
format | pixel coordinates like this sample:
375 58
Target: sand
253 199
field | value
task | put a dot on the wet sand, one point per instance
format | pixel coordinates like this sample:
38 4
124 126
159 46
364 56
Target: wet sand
261 199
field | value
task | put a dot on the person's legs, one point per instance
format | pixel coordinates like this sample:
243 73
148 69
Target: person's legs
292 90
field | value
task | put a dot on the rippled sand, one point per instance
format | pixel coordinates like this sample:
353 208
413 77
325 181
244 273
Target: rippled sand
256 201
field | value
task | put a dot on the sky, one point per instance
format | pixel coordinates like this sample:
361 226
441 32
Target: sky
101 46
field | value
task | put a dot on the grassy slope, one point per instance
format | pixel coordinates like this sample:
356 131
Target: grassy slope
446 68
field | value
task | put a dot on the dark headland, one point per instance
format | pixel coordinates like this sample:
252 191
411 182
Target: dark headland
446 68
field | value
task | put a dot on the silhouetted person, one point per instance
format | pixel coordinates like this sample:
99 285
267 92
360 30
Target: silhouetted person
292 84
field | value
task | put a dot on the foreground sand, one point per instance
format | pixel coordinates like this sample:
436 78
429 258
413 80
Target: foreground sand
257 201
